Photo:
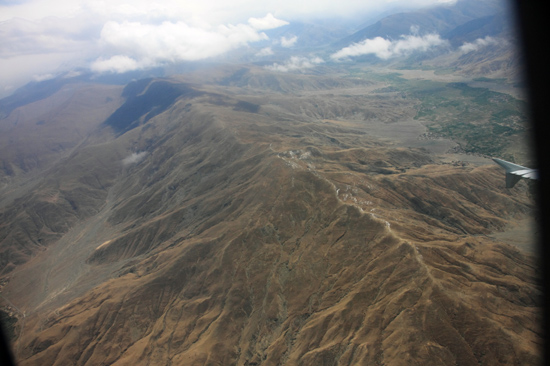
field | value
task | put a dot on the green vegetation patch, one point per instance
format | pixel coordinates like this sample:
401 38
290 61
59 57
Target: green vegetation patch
481 120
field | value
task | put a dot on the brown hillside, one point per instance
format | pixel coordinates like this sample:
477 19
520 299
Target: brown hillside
268 229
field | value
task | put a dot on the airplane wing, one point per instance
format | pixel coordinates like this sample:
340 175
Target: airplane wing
515 172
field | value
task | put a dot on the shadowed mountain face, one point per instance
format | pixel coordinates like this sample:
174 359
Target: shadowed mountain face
244 226
145 100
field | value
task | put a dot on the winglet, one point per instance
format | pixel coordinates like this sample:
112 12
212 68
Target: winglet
515 172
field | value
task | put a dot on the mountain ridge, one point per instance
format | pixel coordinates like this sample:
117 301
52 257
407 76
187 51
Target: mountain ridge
278 211
289 231
443 19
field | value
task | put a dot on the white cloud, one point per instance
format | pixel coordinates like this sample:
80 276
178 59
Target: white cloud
134 158
135 45
267 51
116 64
417 43
211 11
42 77
414 30
385 49
296 63
478 43
19 36
267 22
54 36
288 42
72 74
378 46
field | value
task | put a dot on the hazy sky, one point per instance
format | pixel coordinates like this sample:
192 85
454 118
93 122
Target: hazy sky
40 38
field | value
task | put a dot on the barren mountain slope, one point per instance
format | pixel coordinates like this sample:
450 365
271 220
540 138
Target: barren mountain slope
233 227
50 179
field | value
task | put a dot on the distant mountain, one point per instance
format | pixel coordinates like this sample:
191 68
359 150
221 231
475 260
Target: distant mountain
442 19
486 27
31 93
38 90
310 34
497 25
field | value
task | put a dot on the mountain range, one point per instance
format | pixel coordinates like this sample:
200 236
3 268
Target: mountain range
234 214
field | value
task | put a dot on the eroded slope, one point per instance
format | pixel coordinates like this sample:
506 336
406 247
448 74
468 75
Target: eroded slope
272 235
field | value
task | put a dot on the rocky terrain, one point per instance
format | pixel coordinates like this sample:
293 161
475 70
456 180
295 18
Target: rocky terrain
256 218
